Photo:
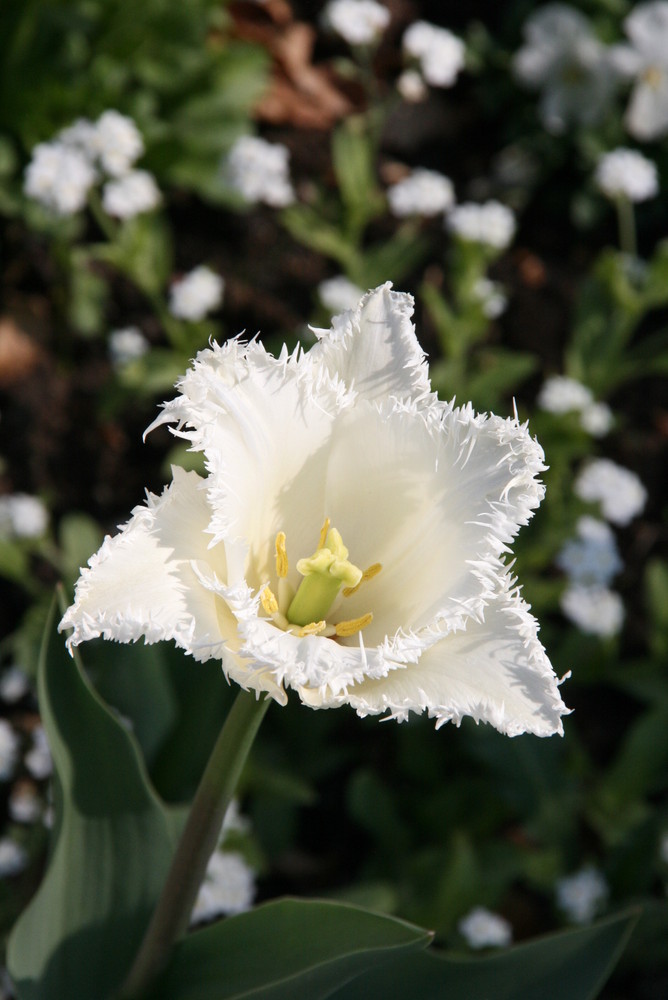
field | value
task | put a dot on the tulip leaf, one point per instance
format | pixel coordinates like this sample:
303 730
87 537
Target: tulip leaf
112 848
570 965
288 949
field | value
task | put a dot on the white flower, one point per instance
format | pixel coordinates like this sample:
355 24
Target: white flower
195 294
25 805
426 497
441 54
593 609
233 821
618 490
626 173
490 223
646 61
38 760
116 142
582 895
491 297
358 22
80 135
259 171
59 177
13 858
14 684
228 887
597 419
423 192
131 194
23 516
411 86
562 394
484 929
573 70
592 557
9 749
339 294
127 345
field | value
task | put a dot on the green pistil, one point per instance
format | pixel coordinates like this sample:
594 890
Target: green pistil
325 572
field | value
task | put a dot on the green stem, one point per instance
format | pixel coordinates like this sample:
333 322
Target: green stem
198 841
626 224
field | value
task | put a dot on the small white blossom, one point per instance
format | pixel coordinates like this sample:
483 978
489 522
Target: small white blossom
626 173
131 194
582 895
22 516
338 294
9 749
592 557
562 394
573 70
25 805
411 86
597 419
234 821
80 135
259 171
593 609
59 177
195 294
645 60
441 54
483 929
228 887
491 223
491 297
13 858
619 491
358 22
423 192
38 760
14 684
304 450
116 142
127 345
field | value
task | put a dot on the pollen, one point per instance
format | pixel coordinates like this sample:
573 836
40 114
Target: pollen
281 556
323 533
313 628
368 574
269 602
353 625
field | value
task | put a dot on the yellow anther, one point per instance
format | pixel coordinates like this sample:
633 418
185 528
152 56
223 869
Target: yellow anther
353 625
368 574
281 556
323 533
313 628
268 601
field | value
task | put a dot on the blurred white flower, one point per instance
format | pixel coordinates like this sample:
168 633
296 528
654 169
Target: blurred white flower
626 173
116 142
13 858
423 192
573 70
582 895
127 345
79 135
592 557
491 296
441 54
593 609
491 223
131 194
338 294
597 419
483 929
38 760
619 491
25 805
646 61
562 394
9 749
411 86
228 887
259 171
59 177
14 684
358 22
234 821
195 294
22 516
427 495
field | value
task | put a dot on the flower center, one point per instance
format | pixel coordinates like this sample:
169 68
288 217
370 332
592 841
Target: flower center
653 77
325 574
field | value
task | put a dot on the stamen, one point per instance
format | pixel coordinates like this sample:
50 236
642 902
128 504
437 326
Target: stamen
368 574
281 555
313 628
268 601
353 625
323 533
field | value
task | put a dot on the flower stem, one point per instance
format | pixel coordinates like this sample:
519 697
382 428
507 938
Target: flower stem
626 224
198 841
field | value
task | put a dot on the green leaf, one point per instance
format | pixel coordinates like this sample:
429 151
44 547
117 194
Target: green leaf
88 296
113 846
392 260
307 226
288 949
142 250
353 157
572 965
